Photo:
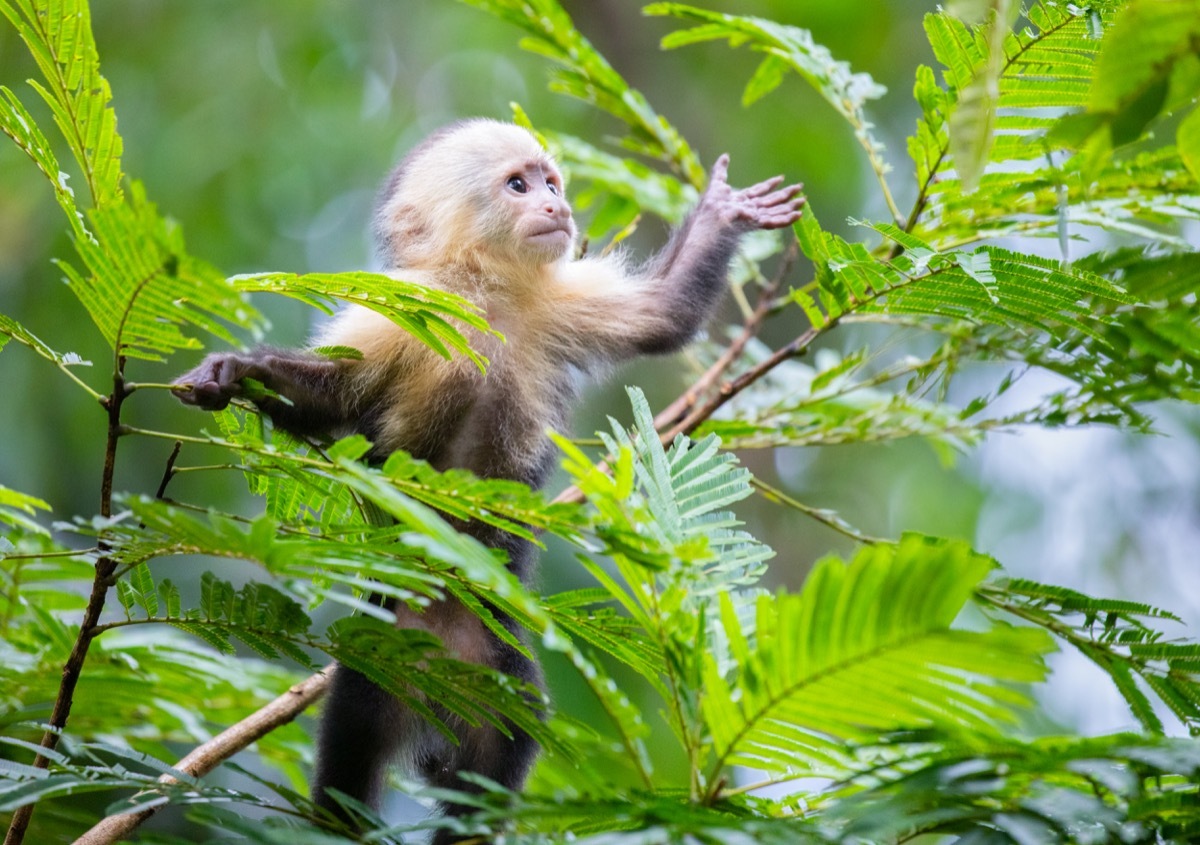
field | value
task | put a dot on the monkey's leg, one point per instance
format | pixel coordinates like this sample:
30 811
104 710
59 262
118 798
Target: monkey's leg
361 730
486 751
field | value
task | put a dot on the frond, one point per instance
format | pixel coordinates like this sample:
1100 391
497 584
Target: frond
866 648
1112 634
839 400
587 75
58 34
428 314
16 508
987 285
684 488
1027 186
785 48
1007 791
140 286
10 328
294 494
17 123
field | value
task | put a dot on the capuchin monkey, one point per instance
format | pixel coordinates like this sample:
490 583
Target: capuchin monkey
478 209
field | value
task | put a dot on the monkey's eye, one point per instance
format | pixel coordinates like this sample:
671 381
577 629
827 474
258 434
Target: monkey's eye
517 184
553 188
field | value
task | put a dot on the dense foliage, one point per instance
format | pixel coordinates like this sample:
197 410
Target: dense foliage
890 695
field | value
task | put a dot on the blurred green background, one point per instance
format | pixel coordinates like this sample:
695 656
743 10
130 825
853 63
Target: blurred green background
264 129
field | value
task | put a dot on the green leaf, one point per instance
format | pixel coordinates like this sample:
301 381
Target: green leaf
786 47
1188 140
767 77
140 286
58 34
972 122
10 328
827 665
587 75
18 124
17 507
1114 635
1146 39
428 314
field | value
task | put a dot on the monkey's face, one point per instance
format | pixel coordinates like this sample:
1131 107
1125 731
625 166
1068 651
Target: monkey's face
540 222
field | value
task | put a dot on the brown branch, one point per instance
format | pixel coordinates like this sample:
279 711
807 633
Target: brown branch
728 390
204 758
682 408
674 412
169 471
732 388
105 566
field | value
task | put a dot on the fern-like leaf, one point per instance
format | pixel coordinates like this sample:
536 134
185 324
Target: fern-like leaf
587 75
17 507
988 285
140 285
17 123
58 34
786 47
1050 65
865 648
1114 635
428 314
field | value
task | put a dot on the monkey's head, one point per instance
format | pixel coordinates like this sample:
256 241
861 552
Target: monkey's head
479 192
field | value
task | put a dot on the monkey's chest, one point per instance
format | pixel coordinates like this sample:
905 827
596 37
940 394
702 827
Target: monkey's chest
502 431
493 424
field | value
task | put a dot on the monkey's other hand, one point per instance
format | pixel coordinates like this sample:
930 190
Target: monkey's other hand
212 384
761 206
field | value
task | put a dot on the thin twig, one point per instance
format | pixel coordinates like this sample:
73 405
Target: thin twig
105 566
821 515
204 758
766 301
732 388
169 471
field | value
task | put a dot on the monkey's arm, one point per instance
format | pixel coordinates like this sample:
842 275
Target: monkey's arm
661 308
317 390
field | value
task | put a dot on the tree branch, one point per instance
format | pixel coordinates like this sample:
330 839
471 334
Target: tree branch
674 412
204 758
105 566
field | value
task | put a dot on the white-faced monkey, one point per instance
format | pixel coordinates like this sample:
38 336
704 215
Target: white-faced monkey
478 209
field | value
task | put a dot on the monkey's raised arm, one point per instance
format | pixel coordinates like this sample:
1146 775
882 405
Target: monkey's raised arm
664 304
316 389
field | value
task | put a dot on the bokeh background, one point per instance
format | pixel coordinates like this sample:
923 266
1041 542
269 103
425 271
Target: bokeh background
264 129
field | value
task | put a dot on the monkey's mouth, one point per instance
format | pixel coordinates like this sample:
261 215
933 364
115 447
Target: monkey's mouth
551 231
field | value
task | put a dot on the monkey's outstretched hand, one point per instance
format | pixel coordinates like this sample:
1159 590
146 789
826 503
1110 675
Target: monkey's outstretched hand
218 379
760 206
303 392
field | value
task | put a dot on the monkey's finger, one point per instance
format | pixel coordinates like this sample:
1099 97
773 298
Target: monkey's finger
780 197
210 396
720 169
783 214
779 221
762 187
792 190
